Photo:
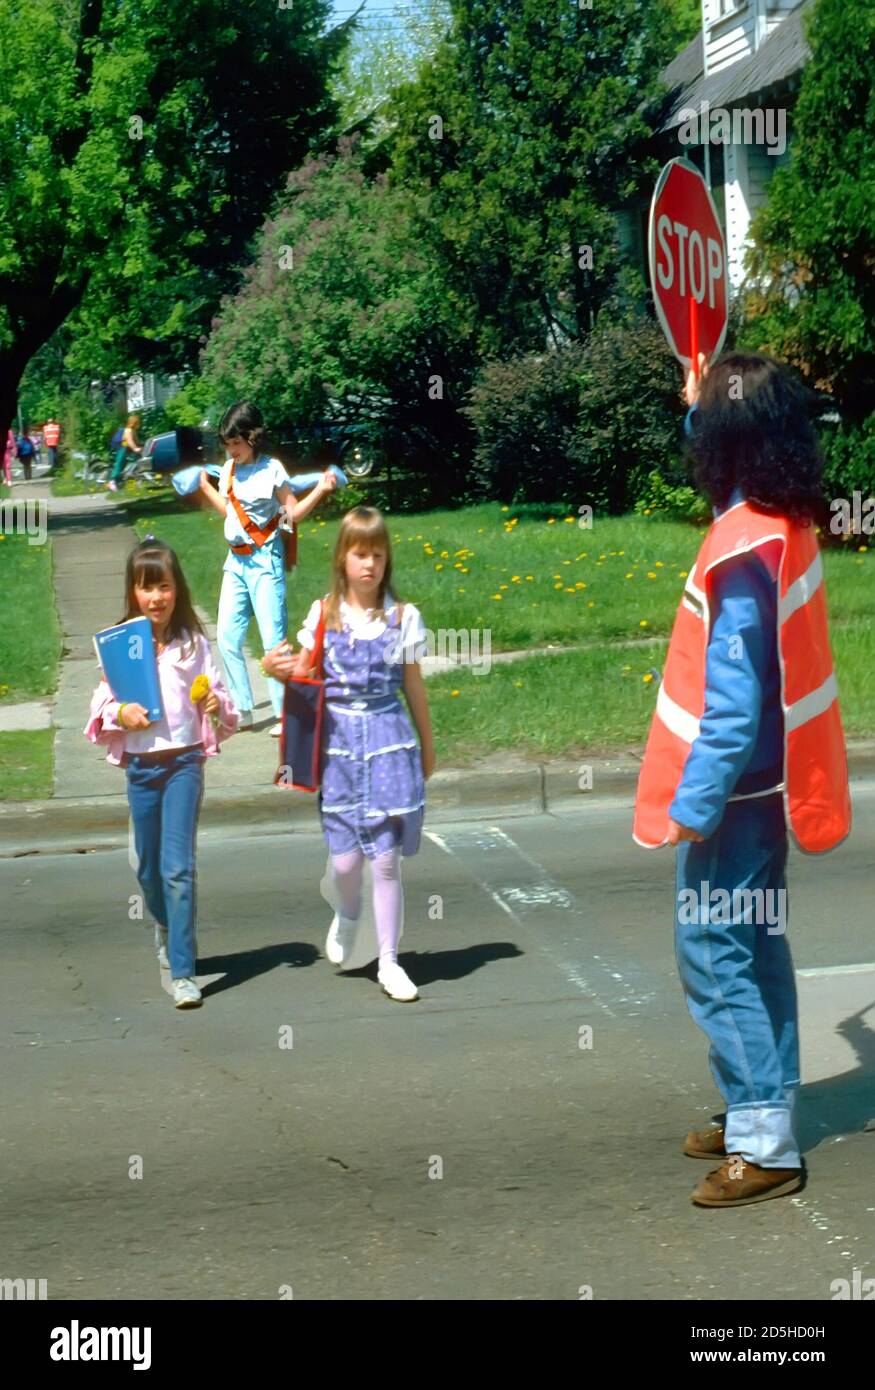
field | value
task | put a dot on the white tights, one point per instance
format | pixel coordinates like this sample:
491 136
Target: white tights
347 870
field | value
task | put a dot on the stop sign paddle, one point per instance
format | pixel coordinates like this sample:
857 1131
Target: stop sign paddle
687 256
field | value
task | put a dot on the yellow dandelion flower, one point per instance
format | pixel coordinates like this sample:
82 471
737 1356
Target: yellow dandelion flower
455 692
438 567
580 584
682 574
505 509
502 586
646 679
497 597
529 577
552 521
659 565
568 519
445 555
650 574
590 604
644 623
200 689
570 590
630 575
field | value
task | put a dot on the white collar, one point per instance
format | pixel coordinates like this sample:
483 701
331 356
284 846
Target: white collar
388 607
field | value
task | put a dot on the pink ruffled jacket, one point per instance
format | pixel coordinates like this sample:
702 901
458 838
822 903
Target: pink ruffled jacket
103 726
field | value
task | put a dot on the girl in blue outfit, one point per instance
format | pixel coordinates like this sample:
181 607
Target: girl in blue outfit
372 797
253 496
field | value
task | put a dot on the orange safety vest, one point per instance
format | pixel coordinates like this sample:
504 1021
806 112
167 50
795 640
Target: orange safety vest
815 786
51 434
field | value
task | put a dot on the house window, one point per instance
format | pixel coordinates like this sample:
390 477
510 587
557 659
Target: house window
721 8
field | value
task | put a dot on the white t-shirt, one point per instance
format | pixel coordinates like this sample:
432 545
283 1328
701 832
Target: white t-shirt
413 633
256 486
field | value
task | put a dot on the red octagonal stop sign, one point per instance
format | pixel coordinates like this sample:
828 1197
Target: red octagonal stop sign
687 257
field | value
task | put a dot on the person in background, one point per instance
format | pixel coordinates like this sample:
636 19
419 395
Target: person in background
8 456
129 446
25 451
52 437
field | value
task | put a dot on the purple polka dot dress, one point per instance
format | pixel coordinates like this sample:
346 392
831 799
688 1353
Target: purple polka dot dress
373 793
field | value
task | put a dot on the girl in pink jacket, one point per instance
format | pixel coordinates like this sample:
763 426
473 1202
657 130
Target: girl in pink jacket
164 760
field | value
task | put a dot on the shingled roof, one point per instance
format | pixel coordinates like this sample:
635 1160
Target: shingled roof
784 53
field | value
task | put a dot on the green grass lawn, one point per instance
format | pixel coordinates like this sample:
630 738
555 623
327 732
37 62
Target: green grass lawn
30 640
26 765
532 576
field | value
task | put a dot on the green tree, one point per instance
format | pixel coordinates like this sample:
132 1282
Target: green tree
812 295
140 145
342 312
527 128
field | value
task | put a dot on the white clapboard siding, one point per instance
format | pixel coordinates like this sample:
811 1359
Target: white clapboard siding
728 37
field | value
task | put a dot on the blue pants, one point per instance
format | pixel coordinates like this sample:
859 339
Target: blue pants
252 584
738 975
165 800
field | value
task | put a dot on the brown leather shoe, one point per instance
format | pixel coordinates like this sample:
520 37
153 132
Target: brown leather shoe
705 1143
737 1184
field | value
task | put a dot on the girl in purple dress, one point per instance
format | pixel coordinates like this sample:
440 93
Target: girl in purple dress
372 798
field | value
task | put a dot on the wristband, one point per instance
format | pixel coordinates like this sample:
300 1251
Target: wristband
118 717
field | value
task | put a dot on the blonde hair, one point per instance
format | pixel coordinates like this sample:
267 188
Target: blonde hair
365 527
133 422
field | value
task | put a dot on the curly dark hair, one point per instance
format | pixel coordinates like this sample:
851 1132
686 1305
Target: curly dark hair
754 430
243 420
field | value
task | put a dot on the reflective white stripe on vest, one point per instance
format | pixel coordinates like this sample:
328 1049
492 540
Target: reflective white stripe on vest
810 706
677 720
801 590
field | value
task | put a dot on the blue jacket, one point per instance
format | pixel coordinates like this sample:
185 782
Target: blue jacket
740 745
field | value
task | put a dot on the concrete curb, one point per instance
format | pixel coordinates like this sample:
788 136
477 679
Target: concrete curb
67 825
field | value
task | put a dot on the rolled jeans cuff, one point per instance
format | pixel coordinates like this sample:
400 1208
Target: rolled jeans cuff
762 1134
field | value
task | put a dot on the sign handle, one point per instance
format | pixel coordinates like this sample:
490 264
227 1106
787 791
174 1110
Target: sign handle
694 338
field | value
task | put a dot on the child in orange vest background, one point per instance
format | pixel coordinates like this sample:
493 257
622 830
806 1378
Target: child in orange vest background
747 741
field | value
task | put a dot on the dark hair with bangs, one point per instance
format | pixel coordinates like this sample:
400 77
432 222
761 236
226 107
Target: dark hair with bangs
149 563
244 420
754 430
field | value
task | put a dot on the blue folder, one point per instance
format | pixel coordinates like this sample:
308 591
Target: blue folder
127 658
187 480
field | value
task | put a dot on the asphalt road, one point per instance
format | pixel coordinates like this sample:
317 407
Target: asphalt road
314 1169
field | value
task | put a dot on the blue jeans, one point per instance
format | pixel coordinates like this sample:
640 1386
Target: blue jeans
165 800
738 975
252 584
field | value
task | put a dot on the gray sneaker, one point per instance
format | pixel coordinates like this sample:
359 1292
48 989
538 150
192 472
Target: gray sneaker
186 994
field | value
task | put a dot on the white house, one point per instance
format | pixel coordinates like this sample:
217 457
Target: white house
735 82
740 76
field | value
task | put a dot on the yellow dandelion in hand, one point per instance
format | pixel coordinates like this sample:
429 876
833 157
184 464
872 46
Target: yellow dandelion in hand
200 689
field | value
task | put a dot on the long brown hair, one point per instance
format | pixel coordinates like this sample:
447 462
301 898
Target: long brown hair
363 526
148 563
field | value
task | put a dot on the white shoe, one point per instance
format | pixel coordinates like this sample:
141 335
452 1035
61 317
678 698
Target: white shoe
186 994
340 939
277 730
245 719
161 947
397 983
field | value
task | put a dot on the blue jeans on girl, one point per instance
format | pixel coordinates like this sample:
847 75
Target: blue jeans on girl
165 800
252 584
738 976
